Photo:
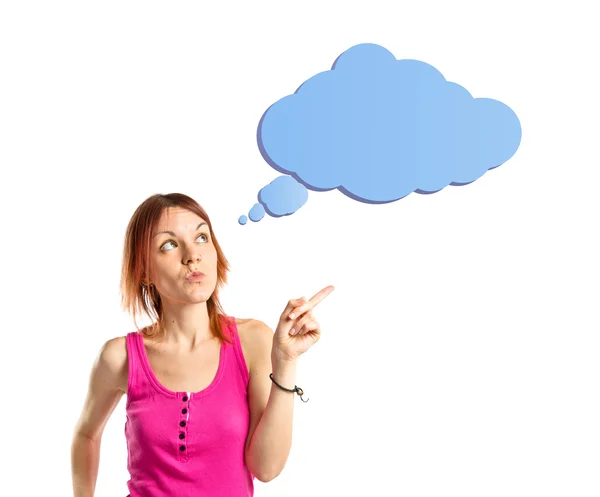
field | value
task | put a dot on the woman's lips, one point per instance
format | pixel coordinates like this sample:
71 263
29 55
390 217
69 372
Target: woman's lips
196 276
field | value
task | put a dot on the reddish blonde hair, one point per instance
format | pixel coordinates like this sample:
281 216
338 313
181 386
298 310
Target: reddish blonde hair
137 296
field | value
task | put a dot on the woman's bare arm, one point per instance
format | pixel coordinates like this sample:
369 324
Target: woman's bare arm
107 384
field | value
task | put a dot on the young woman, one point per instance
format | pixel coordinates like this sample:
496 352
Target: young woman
209 397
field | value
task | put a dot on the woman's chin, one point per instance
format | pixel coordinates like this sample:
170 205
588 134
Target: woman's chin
191 295
198 296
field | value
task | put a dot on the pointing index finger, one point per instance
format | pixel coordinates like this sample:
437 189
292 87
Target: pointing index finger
318 297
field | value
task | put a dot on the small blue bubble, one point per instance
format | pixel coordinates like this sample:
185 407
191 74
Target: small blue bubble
243 220
283 196
256 213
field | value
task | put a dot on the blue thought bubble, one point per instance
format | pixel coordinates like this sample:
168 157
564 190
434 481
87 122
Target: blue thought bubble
283 196
256 213
377 128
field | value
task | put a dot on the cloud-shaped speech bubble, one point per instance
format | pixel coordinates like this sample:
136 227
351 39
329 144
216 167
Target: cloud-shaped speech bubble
377 128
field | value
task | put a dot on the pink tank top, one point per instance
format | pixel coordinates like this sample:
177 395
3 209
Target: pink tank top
188 444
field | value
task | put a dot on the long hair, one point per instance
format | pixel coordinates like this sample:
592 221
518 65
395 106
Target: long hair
137 296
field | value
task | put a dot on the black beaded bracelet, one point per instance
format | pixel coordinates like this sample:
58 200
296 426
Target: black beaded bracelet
296 389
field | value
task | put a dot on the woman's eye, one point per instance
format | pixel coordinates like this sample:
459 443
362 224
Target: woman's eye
166 244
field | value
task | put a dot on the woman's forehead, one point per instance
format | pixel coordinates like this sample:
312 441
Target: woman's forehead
179 219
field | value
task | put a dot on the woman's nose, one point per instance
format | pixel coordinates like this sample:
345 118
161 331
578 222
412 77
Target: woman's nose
195 257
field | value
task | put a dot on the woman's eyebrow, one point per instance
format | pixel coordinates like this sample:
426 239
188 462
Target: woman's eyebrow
173 234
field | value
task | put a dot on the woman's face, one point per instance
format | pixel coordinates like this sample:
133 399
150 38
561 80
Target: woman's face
181 246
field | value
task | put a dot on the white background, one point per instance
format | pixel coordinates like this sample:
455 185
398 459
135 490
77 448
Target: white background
460 348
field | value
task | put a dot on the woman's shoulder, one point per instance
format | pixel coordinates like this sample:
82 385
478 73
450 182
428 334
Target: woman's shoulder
111 363
114 351
249 327
256 339
242 322
244 326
